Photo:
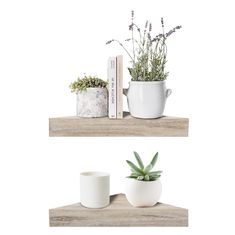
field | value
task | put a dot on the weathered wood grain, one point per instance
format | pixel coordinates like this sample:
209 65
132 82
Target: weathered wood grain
128 126
119 213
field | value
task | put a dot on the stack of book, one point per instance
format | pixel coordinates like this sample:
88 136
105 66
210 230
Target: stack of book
115 87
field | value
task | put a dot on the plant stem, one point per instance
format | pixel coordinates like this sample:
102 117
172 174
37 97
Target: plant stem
138 29
125 50
132 38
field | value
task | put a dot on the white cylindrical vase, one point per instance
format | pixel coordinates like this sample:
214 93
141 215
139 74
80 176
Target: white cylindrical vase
94 189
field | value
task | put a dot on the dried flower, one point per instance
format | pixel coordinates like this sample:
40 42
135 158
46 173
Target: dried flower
173 30
157 38
132 14
148 55
162 22
146 24
108 42
131 26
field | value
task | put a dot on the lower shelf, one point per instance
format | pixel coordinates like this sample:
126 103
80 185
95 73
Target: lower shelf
119 213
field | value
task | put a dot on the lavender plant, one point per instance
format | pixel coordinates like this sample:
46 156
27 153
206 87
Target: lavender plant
148 54
141 172
87 82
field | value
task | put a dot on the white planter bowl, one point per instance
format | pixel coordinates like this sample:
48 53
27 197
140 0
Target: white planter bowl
147 99
94 189
93 102
143 193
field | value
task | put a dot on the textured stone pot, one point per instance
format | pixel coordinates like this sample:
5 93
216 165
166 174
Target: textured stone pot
143 193
93 102
146 99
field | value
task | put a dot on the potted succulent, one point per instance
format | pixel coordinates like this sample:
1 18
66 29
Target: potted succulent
147 91
92 96
143 187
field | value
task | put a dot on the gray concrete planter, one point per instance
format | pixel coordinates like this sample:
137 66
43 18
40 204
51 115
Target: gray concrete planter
92 103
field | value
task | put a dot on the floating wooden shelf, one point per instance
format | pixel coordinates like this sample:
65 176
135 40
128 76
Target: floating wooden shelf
119 213
128 126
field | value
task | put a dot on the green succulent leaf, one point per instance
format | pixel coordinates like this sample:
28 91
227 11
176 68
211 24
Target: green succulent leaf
133 171
146 177
132 177
154 160
155 173
138 159
135 175
134 167
148 168
154 177
140 177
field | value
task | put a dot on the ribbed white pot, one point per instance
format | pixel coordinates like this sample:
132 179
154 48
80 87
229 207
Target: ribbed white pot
147 99
94 189
143 193
93 102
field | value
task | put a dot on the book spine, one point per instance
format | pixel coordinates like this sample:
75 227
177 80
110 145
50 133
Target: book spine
119 63
112 87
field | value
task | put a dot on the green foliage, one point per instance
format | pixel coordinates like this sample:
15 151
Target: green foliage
144 173
87 82
148 54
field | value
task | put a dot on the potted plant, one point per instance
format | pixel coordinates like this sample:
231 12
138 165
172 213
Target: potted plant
143 186
147 91
92 96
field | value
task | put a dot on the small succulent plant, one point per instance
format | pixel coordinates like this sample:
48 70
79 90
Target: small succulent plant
87 82
141 172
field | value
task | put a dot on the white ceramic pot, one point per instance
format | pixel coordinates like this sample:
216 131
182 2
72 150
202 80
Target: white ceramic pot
147 99
94 189
143 193
93 102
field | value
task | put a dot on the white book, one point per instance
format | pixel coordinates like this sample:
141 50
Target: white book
112 80
119 60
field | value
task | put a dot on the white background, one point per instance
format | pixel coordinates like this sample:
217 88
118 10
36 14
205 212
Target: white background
45 45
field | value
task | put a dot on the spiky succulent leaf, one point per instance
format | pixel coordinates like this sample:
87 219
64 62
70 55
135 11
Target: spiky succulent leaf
131 177
133 171
134 167
135 175
148 168
154 160
155 172
139 160
141 177
152 178
146 177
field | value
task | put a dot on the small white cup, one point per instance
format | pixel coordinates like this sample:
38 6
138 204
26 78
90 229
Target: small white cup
94 189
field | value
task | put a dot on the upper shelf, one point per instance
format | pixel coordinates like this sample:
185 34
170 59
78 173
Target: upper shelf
128 126
119 213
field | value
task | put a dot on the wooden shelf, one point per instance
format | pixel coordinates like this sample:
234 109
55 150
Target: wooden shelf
119 214
128 126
